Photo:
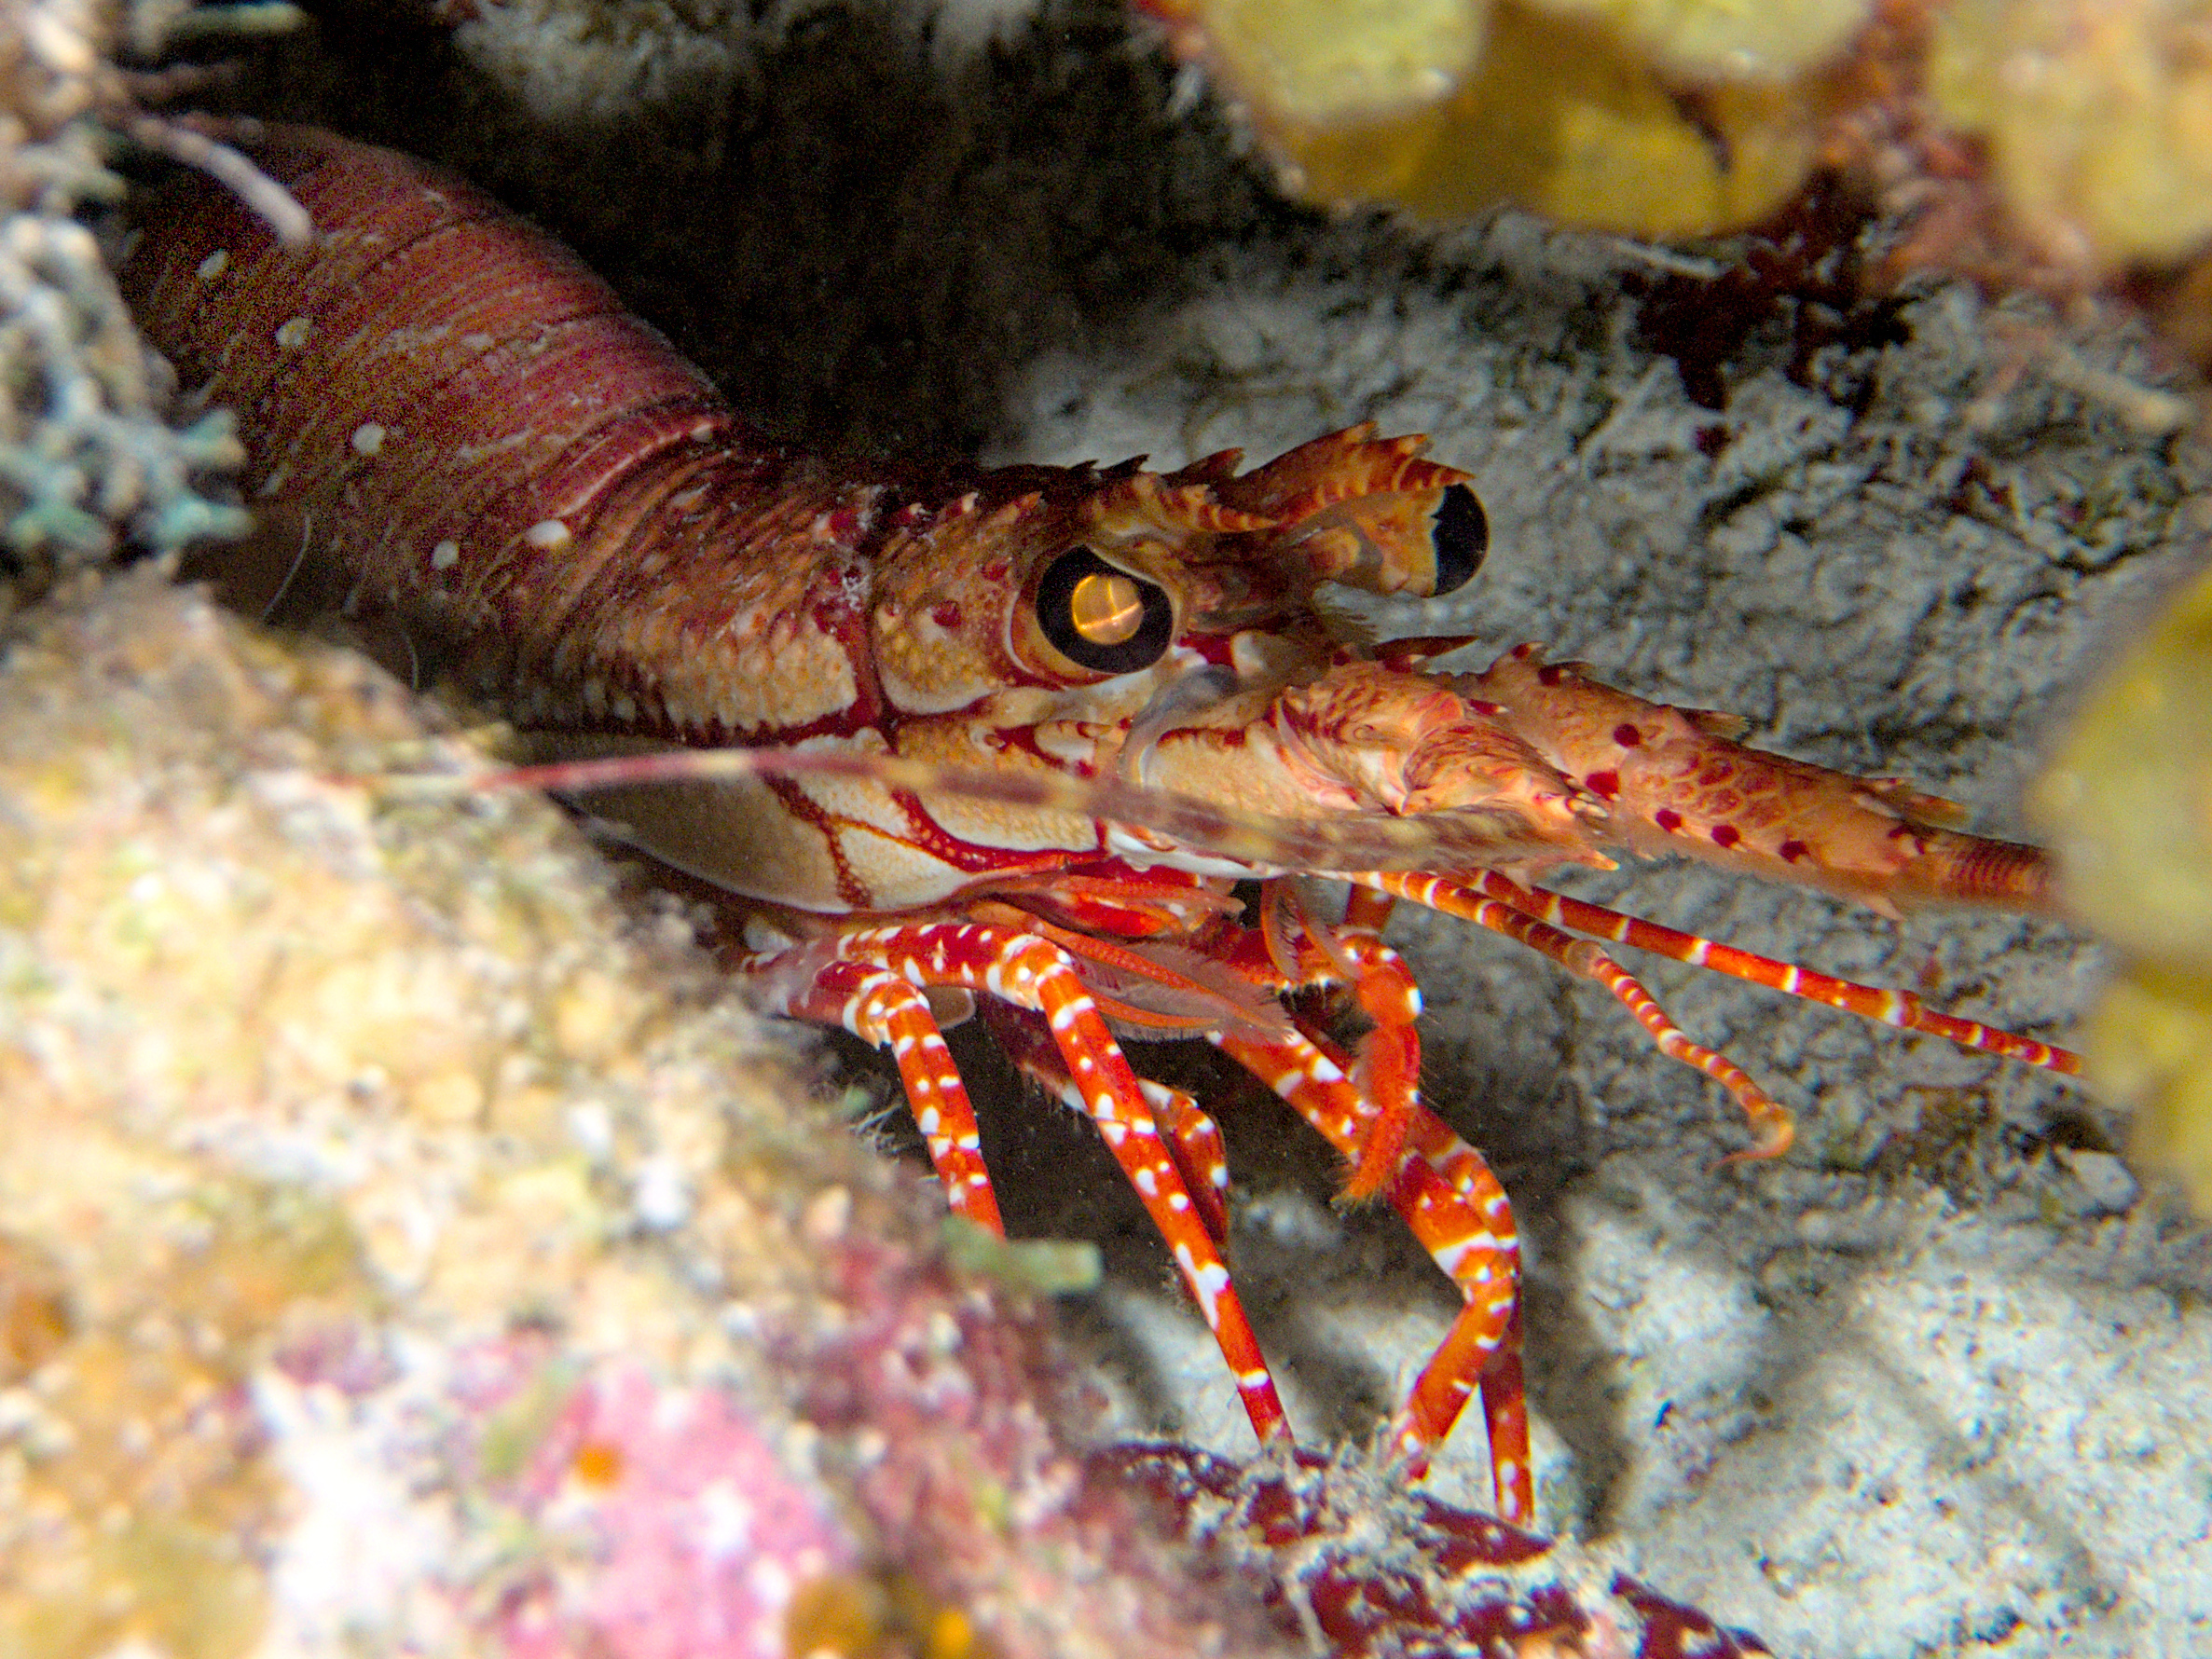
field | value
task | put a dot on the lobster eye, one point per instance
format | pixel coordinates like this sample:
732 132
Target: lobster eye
1101 617
1460 534
1106 609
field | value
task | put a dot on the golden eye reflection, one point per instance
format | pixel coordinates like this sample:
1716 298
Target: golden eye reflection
1106 608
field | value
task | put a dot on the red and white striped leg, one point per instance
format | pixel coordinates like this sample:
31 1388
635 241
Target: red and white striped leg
1200 1152
1195 1139
1034 973
1770 1120
1295 951
1886 1007
1388 1072
1452 1202
1364 907
878 1007
1192 1136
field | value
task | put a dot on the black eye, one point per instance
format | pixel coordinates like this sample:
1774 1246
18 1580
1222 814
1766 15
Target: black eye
1100 616
1459 533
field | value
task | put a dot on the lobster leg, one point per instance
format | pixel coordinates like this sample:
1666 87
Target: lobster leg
1388 1071
1034 973
1365 908
1304 953
1192 1135
1200 1152
878 1007
1769 1118
1885 1005
1447 1195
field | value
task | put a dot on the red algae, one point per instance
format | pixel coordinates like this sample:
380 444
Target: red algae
665 1526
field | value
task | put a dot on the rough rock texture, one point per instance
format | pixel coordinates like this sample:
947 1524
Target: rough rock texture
408 1250
1933 1382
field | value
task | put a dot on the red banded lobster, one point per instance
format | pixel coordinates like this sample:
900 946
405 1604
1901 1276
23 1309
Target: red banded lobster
1016 734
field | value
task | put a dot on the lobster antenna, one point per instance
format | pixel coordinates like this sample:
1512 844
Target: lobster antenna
1457 838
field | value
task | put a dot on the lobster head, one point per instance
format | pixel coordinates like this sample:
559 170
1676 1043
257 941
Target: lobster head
1167 631
1241 551
1164 634
1063 576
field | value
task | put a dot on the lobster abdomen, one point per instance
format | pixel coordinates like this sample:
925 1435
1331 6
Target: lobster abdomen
469 429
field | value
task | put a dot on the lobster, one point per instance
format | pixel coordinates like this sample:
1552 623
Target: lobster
1015 734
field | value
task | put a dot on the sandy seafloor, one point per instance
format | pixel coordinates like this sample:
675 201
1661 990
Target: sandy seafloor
1939 1382
1936 1381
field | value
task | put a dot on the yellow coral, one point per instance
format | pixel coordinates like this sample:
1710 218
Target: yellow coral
2147 1043
2127 803
1324 61
2097 116
1729 40
1663 119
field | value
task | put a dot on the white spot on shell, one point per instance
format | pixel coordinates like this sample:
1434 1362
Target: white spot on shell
215 265
293 333
546 532
369 438
444 555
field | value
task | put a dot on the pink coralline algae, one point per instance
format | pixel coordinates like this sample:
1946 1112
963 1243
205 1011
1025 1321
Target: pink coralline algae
662 1526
